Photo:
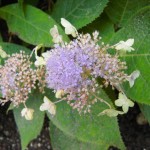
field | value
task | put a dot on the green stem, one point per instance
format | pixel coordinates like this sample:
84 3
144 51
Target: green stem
102 100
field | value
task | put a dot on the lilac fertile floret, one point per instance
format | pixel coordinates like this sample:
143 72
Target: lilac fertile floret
65 66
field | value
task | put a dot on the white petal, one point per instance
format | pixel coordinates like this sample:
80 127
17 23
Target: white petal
55 34
27 113
39 61
69 28
2 53
125 108
122 96
134 75
23 112
130 103
65 23
46 55
129 42
54 31
52 110
125 46
119 102
49 106
43 107
46 100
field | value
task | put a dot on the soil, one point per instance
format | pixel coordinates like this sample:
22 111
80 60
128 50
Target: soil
135 136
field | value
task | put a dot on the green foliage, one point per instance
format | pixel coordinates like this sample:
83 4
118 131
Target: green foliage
33 27
89 129
139 29
103 25
61 141
29 130
71 131
78 12
146 111
123 10
11 48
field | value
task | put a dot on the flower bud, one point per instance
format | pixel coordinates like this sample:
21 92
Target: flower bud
59 94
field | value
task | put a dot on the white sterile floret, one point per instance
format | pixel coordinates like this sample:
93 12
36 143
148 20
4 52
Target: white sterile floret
124 102
27 113
48 106
46 55
39 61
69 28
59 94
55 34
111 112
2 53
134 75
125 45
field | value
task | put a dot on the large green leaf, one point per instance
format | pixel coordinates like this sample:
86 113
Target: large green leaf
91 129
32 27
121 11
29 130
78 12
146 111
103 25
139 29
11 48
62 141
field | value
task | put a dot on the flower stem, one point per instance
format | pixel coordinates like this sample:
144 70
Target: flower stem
102 100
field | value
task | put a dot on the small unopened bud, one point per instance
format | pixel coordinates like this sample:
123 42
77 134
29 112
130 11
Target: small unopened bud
59 94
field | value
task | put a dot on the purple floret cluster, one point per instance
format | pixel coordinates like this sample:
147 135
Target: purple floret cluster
66 66
75 67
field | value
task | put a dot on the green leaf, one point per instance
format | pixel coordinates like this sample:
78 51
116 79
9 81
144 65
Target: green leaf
103 25
139 29
29 130
101 131
20 2
62 141
123 10
33 28
146 111
21 6
11 48
78 12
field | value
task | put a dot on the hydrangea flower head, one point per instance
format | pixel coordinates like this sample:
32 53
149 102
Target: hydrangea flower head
17 78
74 68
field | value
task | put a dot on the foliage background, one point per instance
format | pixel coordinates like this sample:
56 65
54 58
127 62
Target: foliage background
115 20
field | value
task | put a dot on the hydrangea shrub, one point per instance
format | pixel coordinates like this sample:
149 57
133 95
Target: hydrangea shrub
69 80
